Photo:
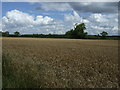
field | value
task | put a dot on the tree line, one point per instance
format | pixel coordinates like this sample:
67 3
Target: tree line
77 33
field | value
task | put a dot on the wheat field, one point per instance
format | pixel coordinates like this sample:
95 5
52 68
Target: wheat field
59 63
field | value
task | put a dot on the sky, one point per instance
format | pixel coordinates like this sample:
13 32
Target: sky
60 0
59 17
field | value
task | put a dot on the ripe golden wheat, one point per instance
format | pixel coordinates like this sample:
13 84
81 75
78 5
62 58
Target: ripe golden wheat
60 63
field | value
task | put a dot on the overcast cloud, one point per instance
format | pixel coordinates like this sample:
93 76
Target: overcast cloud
92 7
95 7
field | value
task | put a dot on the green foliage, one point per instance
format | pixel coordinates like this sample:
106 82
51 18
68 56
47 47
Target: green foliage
104 34
44 36
6 34
78 31
70 33
92 37
16 33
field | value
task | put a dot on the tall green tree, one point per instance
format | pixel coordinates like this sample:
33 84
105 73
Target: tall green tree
78 32
17 33
104 34
69 34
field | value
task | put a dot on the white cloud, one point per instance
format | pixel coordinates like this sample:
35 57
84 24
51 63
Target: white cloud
71 19
43 20
95 23
24 23
18 18
75 17
100 22
15 20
